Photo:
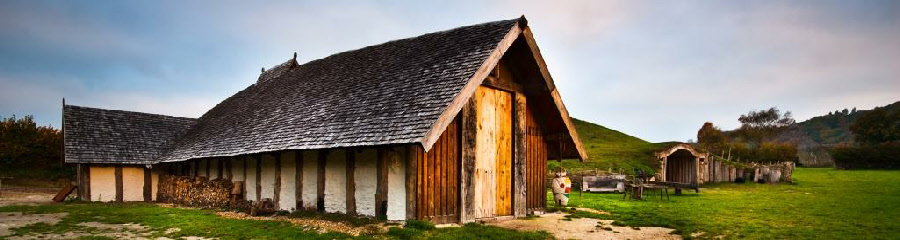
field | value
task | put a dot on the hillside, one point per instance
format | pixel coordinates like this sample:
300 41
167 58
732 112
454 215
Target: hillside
814 136
834 128
608 148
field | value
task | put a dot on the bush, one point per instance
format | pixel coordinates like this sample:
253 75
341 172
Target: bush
874 156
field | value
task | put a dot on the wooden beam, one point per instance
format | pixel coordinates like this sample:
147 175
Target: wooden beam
520 157
148 185
468 90
298 194
258 177
410 156
244 162
87 181
228 169
468 141
119 184
503 84
277 180
320 183
351 182
381 183
219 166
79 179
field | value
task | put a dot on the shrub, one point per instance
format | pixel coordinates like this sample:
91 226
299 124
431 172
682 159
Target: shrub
874 156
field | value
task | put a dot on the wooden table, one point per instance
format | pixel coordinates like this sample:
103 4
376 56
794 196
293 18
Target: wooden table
637 189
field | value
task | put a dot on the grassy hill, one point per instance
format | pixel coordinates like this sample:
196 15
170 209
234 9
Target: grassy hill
608 148
834 128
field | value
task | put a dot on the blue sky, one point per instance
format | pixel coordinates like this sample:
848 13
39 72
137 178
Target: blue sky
653 69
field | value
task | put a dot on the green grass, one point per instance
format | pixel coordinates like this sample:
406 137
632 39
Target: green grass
607 148
192 222
468 231
205 223
821 204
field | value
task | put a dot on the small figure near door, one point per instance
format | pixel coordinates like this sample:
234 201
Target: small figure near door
561 187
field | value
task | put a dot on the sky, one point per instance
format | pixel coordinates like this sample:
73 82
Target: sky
653 69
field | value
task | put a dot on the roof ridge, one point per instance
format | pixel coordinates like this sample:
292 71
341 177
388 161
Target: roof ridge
519 19
127 111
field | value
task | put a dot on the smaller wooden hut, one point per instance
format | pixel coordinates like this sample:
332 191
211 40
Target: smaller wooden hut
681 163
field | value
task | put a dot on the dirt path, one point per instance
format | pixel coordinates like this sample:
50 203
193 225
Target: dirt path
26 196
585 228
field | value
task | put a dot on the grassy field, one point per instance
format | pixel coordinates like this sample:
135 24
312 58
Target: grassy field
821 204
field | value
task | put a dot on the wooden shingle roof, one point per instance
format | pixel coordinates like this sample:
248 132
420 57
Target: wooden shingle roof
95 135
390 93
399 92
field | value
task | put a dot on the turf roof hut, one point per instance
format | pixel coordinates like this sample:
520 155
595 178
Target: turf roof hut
451 126
681 163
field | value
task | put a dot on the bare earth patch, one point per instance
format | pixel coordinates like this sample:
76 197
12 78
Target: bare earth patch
25 196
321 226
591 210
585 228
10 220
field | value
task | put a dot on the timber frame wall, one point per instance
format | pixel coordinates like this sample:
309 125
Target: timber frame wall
83 180
251 168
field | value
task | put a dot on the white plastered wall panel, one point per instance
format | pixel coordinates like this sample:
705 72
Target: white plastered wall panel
237 169
154 184
103 184
267 181
336 182
214 168
310 179
132 184
201 168
287 199
250 186
366 181
396 195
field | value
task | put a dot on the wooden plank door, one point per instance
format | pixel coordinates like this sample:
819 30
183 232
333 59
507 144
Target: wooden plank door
493 159
536 169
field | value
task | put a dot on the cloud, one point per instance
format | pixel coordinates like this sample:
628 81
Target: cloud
656 70
663 76
65 31
28 95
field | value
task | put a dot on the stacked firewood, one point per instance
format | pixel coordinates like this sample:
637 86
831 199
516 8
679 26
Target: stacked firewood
196 191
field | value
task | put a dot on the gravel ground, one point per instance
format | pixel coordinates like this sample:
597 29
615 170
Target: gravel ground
585 228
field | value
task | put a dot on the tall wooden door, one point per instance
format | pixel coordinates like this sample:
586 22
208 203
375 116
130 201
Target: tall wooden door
536 164
493 149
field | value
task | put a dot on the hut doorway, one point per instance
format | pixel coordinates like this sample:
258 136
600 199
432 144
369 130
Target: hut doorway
681 167
493 149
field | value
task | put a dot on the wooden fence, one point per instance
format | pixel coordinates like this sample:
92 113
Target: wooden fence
719 171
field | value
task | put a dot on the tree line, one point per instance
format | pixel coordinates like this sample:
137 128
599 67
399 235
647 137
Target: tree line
753 141
29 150
877 141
